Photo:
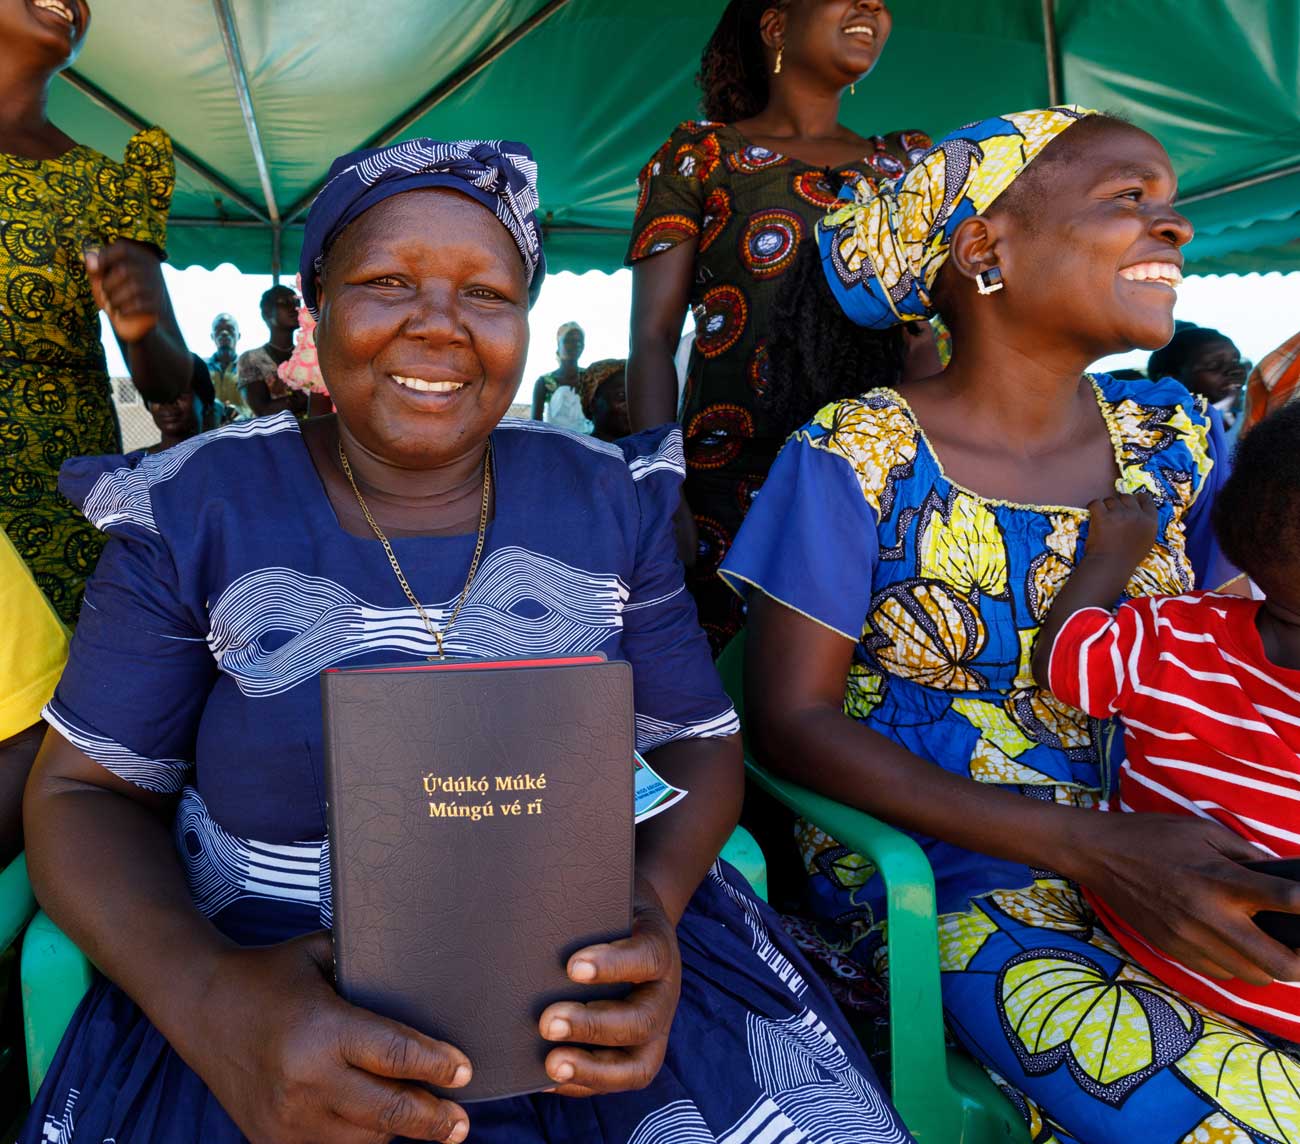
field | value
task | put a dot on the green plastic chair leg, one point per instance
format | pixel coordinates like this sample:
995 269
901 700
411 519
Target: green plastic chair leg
55 976
745 855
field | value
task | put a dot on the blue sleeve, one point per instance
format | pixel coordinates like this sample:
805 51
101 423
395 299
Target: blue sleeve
678 694
809 541
1211 568
139 669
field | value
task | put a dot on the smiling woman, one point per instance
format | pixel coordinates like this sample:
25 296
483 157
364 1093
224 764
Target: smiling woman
899 566
416 522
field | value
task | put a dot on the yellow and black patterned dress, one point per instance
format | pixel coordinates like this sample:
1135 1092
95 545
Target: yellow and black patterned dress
747 209
55 400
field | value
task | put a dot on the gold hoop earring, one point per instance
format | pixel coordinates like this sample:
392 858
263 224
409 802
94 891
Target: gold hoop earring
779 53
853 89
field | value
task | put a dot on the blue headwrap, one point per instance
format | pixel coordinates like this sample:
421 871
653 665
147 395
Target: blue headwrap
502 176
882 254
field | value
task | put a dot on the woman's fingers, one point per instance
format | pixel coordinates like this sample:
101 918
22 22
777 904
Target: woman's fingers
645 1013
389 1049
389 1109
645 956
587 1072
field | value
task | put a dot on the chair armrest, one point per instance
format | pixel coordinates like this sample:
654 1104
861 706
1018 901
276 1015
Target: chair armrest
916 1032
17 903
55 976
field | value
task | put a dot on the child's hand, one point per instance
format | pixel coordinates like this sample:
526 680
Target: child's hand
1123 527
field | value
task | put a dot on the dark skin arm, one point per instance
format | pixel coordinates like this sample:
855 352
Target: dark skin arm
286 1057
674 851
16 756
1120 534
539 398
1176 880
260 401
127 283
289 1059
661 291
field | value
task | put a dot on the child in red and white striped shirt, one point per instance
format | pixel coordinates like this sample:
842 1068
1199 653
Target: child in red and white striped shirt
1207 686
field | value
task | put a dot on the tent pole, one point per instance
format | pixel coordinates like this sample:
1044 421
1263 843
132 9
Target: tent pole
275 254
431 100
186 156
239 76
1239 185
1052 50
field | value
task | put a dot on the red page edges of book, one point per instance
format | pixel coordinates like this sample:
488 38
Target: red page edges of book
480 822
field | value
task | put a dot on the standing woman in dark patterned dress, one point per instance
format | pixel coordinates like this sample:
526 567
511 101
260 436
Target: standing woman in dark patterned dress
724 206
78 232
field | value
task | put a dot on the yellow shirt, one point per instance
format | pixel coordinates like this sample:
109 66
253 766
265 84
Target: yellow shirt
33 644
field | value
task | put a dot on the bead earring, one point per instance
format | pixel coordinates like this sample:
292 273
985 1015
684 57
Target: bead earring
779 53
989 281
853 89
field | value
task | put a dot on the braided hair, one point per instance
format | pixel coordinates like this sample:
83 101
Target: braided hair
733 66
815 354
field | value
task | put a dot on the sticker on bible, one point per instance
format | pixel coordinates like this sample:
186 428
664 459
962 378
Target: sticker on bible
653 794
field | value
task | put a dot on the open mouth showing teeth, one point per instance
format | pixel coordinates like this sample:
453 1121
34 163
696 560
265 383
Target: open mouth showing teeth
423 386
58 8
860 30
1165 273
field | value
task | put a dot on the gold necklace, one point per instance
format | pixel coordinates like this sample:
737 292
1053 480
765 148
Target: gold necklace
392 558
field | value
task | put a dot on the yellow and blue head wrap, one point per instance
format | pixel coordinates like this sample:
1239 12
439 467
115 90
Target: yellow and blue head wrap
882 254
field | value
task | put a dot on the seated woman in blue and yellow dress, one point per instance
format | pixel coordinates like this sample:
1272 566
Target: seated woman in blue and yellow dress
902 556
175 817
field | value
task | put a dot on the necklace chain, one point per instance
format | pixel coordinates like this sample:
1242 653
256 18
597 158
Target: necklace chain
392 558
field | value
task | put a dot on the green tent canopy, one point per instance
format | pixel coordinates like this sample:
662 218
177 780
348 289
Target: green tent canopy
260 95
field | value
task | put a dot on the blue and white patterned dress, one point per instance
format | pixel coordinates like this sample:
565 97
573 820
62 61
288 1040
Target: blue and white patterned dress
195 670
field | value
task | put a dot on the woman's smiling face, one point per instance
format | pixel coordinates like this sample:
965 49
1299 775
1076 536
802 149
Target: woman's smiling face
1091 250
423 326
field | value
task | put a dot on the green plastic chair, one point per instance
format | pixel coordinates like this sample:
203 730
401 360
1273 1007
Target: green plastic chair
53 973
744 853
943 1096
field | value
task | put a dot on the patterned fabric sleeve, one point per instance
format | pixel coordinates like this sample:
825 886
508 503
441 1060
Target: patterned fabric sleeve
1096 657
139 670
1212 569
678 694
809 541
150 177
673 188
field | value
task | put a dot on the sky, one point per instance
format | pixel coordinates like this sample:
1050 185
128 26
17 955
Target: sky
1258 312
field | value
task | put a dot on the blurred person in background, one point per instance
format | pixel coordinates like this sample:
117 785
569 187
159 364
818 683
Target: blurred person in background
223 364
557 396
82 232
259 382
604 398
193 411
1209 364
1273 383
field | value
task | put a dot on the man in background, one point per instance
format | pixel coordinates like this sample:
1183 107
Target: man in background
222 365
259 381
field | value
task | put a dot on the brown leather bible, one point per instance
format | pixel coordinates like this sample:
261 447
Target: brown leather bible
481 831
